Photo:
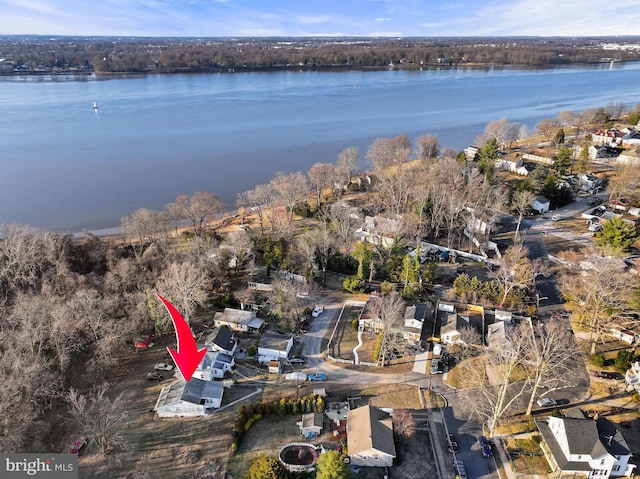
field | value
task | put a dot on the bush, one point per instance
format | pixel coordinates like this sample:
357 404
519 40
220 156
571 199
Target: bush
623 360
252 350
353 284
599 360
355 324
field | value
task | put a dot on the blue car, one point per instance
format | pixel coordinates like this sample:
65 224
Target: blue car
317 377
485 447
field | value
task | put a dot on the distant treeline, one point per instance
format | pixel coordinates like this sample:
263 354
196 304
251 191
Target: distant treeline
39 54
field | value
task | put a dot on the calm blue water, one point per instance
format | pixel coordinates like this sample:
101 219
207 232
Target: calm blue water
66 167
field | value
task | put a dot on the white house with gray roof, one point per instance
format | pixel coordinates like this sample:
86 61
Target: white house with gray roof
189 399
592 448
238 320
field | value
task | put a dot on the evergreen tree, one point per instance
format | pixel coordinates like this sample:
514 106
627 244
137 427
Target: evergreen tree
563 160
617 234
487 157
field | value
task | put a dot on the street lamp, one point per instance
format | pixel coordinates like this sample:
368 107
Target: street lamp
538 299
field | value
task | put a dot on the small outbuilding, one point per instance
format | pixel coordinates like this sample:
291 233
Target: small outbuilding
540 204
311 425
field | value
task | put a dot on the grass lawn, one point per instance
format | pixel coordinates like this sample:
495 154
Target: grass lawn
527 457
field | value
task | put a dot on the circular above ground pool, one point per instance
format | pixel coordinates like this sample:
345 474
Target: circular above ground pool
298 456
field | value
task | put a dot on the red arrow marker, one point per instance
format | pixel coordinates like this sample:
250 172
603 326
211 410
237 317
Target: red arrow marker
188 357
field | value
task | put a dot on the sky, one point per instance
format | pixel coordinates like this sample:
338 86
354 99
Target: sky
259 18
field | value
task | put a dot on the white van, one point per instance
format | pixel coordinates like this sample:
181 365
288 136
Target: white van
437 349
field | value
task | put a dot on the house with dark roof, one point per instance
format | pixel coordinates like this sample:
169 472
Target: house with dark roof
593 448
188 399
221 339
370 437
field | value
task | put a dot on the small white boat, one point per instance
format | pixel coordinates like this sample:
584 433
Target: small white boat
95 105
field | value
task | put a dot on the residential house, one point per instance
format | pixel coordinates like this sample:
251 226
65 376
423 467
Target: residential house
455 318
629 334
632 377
603 152
222 340
274 346
612 136
187 399
214 365
369 319
370 437
630 157
238 320
540 204
311 425
414 316
593 448
378 230
514 165
631 137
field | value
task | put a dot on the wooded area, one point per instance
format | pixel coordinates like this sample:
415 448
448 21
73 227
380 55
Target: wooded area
39 54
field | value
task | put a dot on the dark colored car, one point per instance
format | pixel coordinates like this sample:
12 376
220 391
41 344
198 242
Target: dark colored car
453 445
485 447
154 376
625 424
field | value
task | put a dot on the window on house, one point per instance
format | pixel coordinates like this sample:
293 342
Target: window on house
602 462
376 458
616 468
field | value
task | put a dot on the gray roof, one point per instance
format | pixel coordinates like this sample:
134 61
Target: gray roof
274 341
369 427
196 389
585 437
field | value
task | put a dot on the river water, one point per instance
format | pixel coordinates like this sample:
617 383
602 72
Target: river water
67 167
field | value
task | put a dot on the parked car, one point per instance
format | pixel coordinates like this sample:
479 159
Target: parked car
154 376
595 202
557 217
296 360
78 445
595 227
546 402
461 473
604 375
625 424
163 367
296 377
317 377
317 311
453 445
435 367
485 447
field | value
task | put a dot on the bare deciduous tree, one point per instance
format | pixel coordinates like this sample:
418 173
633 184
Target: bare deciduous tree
185 285
428 147
348 162
494 382
597 297
100 418
403 423
504 132
320 176
549 127
391 312
199 209
550 355
516 270
521 203
287 300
